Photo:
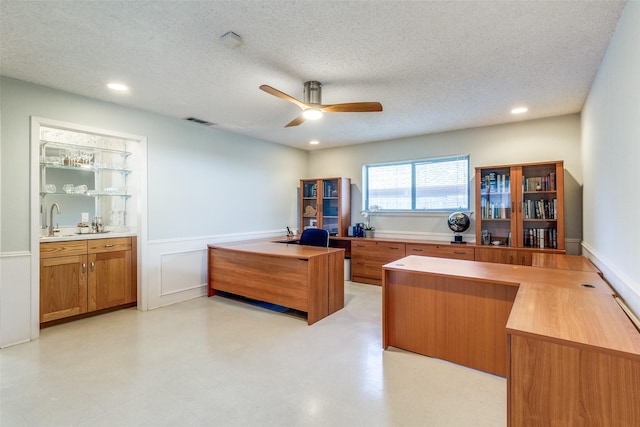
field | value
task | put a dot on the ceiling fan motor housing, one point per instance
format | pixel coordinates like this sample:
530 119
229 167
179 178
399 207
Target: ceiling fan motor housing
312 93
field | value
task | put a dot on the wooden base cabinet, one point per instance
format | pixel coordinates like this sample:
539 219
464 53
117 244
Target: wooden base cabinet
78 277
368 257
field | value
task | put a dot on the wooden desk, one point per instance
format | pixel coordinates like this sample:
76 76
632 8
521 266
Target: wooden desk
305 278
572 356
563 262
428 307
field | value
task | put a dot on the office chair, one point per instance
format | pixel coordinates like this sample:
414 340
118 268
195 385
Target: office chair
315 237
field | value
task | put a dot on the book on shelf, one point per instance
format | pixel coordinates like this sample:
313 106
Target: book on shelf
539 183
491 210
540 209
541 238
495 183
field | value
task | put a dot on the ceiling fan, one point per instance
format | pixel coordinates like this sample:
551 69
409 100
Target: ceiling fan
312 107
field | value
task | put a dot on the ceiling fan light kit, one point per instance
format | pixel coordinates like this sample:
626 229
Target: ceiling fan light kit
312 107
312 114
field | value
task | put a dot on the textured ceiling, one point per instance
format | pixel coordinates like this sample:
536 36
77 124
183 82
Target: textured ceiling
434 65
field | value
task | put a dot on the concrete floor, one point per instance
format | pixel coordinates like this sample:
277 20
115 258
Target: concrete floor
222 362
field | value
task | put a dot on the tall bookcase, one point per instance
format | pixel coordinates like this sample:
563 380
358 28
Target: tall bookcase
521 206
326 203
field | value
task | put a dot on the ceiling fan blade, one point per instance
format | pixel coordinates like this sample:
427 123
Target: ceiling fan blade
275 92
295 122
352 107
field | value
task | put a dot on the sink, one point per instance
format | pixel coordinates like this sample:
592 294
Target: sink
91 234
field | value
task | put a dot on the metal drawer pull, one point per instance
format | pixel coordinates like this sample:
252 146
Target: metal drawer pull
84 267
394 247
417 250
93 265
459 253
109 246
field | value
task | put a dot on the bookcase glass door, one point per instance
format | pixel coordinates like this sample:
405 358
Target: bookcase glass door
540 211
330 205
496 206
309 204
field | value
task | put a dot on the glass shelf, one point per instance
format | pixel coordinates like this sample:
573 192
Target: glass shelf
62 145
86 195
88 168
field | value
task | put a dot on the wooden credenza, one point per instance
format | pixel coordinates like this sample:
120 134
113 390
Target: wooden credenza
368 255
570 354
305 278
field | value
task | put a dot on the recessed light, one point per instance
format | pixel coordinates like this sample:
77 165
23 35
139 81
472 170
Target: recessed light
117 86
314 142
519 110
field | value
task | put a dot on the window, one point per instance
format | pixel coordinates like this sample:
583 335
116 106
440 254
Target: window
439 184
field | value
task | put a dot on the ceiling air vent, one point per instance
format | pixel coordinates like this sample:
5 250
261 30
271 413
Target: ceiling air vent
199 121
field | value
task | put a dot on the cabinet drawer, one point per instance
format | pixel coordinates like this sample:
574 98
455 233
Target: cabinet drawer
364 268
441 251
378 250
363 245
109 245
368 257
390 251
58 249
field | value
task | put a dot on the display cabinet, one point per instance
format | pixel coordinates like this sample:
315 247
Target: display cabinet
86 177
326 203
521 206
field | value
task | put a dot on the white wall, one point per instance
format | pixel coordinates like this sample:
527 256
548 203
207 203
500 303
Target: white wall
611 158
204 185
556 138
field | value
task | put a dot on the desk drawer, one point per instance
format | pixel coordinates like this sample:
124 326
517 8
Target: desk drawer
441 251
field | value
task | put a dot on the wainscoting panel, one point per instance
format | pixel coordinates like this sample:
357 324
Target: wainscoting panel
177 268
15 298
182 271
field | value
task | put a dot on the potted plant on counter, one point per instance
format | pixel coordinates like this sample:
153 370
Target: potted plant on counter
367 214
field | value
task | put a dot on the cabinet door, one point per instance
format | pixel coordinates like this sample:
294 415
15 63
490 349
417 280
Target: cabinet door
309 204
496 195
541 206
109 279
63 287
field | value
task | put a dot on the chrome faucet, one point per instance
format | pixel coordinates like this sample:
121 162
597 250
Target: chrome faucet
55 205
